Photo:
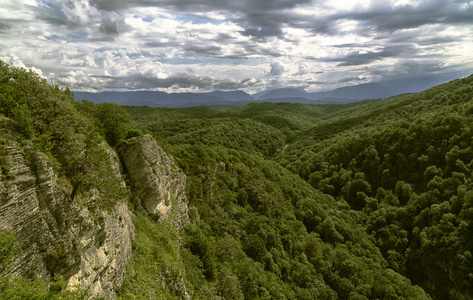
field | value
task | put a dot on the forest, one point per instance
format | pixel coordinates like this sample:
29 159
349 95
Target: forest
367 200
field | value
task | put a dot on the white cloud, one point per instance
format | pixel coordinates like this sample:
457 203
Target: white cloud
395 3
14 60
303 69
80 12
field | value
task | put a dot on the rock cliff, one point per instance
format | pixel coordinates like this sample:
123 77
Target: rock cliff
86 245
158 189
156 184
58 236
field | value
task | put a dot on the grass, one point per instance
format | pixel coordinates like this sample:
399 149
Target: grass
156 269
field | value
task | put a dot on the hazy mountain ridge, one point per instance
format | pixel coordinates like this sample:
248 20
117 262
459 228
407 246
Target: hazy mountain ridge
356 92
235 98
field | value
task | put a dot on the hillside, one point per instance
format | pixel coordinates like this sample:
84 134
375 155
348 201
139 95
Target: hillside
259 231
368 200
400 167
405 163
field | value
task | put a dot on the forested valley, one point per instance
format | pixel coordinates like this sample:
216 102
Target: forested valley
368 200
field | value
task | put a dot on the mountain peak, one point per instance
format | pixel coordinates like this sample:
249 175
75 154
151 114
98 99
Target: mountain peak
232 95
282 93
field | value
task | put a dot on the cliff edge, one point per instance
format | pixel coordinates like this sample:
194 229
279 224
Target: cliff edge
155 182
58 236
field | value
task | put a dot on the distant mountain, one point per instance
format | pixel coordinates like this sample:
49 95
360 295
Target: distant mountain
162 99
282 93
344 94
232 95
138 98
235 98
357 92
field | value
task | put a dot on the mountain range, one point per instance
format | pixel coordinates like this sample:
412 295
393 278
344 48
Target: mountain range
236 98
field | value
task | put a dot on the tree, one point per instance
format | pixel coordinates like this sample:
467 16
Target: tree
113 122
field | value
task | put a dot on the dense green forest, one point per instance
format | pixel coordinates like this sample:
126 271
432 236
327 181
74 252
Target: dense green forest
378 196
369 200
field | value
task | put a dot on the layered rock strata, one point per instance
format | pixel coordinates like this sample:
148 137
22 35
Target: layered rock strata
158 188
56 235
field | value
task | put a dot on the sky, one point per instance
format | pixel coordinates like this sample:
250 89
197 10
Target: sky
249 45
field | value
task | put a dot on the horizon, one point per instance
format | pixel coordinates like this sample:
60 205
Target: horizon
183 47
418 88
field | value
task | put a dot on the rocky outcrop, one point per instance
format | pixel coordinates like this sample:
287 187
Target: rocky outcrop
102 265
87 246
58 236
158 188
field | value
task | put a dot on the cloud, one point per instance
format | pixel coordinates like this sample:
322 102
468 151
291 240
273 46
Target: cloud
176 82
80 12
202 50
253 45
302 70
14 60
413 67
276 70
356 79
258 19
357 58
391 19
4 27
109 26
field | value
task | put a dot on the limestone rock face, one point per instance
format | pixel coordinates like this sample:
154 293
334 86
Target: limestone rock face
155 184
55 234
102 265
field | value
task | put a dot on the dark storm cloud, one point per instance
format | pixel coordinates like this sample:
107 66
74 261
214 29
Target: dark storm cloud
159 44
245 6
4 27
412 68
388 19
198 50
256 49
51 14
109 26
381 20
357 58
260 19
262 32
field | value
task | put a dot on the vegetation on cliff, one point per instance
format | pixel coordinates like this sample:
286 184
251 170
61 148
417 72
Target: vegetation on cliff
41 125
69 132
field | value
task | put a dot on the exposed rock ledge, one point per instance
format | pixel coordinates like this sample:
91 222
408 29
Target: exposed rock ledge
58 236
155 185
